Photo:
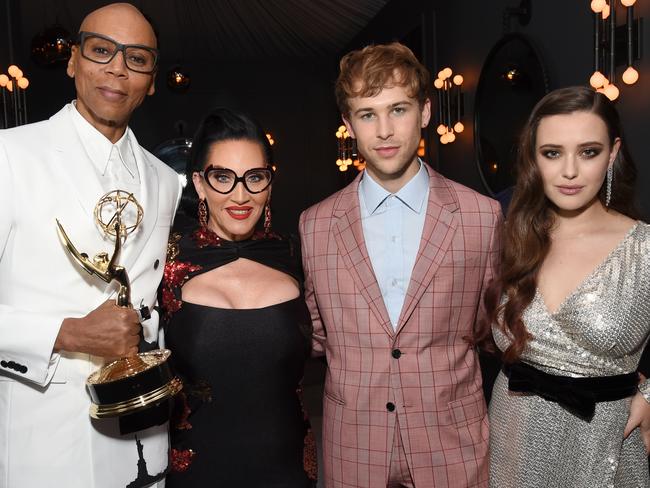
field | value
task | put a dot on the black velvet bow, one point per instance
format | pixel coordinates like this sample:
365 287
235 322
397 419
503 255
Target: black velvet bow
576 395
525 379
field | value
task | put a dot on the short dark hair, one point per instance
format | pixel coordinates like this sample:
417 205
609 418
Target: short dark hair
221 124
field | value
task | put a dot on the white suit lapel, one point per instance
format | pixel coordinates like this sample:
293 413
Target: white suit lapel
149 202
84 183
74 162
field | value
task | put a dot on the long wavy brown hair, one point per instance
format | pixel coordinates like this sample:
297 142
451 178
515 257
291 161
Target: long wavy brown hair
530 217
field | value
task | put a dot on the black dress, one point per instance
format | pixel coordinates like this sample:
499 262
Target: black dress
239 420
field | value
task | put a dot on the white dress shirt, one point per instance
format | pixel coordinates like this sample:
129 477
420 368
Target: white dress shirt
392 229
115 163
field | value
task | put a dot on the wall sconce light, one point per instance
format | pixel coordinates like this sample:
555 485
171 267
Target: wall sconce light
52 46
609 48
269 136
178 79
348 155
14 100
450 106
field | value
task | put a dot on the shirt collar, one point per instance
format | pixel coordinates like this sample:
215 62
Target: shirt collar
98 147
412 194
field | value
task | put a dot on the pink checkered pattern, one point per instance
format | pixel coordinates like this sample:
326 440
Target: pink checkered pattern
435 383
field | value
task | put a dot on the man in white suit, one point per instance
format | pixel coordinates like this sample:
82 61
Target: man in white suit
57 324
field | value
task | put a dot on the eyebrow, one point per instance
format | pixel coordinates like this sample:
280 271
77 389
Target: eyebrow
582 144
391 106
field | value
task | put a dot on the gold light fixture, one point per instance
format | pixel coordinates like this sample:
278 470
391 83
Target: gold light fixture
450 105
608 52
178 79
347 151
422 148
13 86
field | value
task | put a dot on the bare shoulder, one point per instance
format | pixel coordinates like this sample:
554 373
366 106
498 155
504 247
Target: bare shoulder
619 225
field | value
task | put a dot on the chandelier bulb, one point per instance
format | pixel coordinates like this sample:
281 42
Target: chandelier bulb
630 76
611 92
597 79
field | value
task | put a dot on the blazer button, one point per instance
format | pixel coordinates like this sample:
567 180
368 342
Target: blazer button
156 264
396 353
3 364
390 406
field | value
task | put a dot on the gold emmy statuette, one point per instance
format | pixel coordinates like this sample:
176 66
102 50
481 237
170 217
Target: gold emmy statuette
131 384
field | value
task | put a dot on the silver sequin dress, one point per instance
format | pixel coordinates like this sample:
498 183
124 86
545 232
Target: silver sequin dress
599 330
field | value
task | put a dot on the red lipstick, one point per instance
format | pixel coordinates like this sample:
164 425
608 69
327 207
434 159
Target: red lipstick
239 213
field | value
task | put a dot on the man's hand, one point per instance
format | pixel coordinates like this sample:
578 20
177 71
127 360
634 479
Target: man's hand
639 417
108 331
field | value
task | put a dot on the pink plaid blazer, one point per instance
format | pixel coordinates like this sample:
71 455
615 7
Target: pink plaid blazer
423 374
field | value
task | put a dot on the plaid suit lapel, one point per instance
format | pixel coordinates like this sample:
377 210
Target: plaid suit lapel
437 234
348 234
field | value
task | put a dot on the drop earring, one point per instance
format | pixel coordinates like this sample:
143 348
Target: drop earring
267 220
608 184
203 214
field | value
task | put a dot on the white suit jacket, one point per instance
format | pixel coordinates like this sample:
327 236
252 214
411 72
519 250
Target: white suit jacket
47 438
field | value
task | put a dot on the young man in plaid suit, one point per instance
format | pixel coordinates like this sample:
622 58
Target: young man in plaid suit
395 264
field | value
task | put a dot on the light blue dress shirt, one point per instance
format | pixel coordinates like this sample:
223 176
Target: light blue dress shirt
392 229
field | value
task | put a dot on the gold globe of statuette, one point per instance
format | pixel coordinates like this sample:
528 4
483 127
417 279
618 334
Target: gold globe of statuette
117 204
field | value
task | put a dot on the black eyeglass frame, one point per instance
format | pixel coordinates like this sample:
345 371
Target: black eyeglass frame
83 35
238 179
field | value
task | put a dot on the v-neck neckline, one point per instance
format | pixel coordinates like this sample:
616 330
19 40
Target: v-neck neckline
590 275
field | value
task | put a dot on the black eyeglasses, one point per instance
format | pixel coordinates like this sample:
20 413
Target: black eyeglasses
224 180
101 49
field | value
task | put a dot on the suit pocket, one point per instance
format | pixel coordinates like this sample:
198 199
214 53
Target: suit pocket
468 409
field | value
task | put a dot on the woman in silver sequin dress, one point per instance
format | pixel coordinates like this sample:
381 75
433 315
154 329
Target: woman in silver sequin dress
570 310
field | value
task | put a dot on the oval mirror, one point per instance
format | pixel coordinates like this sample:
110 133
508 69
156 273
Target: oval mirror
512 81
174 153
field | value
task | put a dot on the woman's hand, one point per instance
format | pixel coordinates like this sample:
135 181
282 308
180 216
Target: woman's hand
639 417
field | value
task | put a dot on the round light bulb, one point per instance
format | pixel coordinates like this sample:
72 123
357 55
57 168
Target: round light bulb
451 137
443 139
597 79
628 3
4 79
448 72
459 127
630 76
598 5
341 128
441 129
438 83
458 80
23 83
13 71
10 85
339 162
605 11
611 92
343 168
441 74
